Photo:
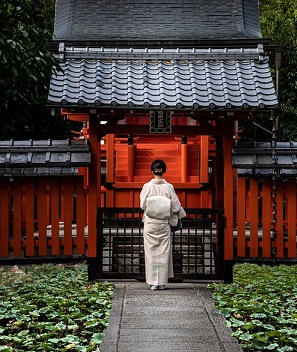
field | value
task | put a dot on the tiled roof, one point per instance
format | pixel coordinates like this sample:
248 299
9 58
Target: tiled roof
155 20
39 171
191 79
45 157
260 159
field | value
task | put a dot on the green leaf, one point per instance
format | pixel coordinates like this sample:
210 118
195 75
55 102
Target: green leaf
257 322
35 313
259 345
248 326
236 323
226 312
54 341
97 338
246 337
6 349
3 58
274 333
285 349
81 348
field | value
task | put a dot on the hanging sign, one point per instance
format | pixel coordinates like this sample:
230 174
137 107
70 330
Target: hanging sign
160 121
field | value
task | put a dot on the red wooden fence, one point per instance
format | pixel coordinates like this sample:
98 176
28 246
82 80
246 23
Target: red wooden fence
43 216
47 216
263 230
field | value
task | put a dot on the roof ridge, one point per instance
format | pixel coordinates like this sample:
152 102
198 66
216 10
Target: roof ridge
103 53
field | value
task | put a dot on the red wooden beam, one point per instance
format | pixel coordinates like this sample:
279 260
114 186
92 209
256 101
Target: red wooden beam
68 211
254 220
241 238
280 220
17 216
80 215
292 212
30 205
184 162
228 190
55 216
266 217
143 129
5 209
42 216
93 190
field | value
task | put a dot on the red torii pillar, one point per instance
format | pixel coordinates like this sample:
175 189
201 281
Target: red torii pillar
94 188
228 189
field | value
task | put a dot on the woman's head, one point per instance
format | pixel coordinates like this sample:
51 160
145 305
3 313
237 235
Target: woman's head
158 167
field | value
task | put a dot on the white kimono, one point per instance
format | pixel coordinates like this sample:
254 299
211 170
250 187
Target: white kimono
157 234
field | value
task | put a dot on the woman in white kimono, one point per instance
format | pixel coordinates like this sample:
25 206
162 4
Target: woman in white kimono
157 233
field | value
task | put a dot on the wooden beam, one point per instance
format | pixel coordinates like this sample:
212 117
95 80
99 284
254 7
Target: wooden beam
218 173
241 211
184 162
266 216
144 129
228 190
110 168
291 194
92 192
279 220
55 205
254 220
138 185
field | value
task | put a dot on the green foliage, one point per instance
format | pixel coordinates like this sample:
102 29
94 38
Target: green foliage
279 23
52 308
260 307
26 64
26 68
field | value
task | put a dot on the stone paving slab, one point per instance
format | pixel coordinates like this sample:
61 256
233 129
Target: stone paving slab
180 318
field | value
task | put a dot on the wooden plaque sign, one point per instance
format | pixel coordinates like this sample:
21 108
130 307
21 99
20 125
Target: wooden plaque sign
160 121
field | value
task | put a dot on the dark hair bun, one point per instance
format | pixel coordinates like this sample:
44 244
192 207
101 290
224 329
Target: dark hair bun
158 167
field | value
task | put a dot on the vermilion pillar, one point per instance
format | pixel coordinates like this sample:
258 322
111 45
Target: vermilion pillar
204 156
94 196
184 159
110 169
130 159
228 189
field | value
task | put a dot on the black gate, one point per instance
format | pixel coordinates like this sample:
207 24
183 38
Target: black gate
197 248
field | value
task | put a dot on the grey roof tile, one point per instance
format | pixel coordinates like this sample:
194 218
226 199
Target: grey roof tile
208 83
43 155
39 171
155 20
251 159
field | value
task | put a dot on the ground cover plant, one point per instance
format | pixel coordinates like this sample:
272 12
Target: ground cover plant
52 308
261 306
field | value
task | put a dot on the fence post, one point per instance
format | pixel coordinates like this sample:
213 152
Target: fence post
95 263
228 271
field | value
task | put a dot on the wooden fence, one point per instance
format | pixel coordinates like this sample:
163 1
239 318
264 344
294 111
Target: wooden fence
43 216
266 216
47 217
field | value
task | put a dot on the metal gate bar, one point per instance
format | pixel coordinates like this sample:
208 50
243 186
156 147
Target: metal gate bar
197 248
